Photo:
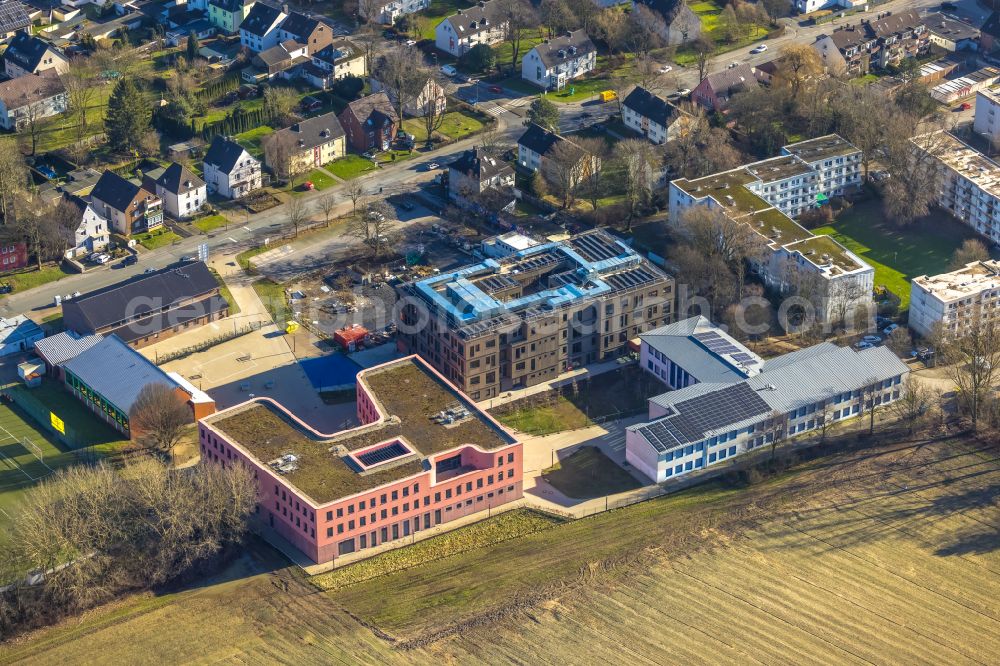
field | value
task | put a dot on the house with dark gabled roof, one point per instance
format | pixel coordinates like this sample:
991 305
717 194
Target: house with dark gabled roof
308 143
277 61
537 143
230 171
339 59
30 97
27 54
307 30
183 193
650 115
149 307
479 24
370 123
555 62
475 172
259 30
14 19
128 207
678 23
715 91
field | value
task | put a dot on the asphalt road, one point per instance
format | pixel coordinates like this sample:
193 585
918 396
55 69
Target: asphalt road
507 107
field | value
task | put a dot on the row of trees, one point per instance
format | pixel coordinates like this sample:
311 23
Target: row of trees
91 534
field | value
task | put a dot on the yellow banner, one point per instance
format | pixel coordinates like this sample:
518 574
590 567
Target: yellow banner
57 423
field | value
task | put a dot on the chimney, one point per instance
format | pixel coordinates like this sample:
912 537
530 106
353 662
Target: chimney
284 8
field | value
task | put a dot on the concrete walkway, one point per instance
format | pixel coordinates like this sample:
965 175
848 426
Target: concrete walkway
565 378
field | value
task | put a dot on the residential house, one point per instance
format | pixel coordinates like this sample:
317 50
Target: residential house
952 303
705 424
14 20
810 6
108 376
27 54
951 34
479 24
307 30
228 15
717 89
680 24
370 123
650 115
30 98
766 195
128 207
475 172
536 144
183 193
277 61
149 307
430 99
422 472
555 62
13 253
259 30
337 60
92 233
879 43
387 11
229 170
308 143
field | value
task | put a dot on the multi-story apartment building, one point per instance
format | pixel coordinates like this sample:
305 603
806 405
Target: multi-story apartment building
526 318
987 119
705 424
230 171
480 24
885 41
968 182
766 195
387 11
554 63
650 115
128 207
948 304
424 455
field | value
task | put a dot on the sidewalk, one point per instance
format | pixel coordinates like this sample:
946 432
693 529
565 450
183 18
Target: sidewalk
583 373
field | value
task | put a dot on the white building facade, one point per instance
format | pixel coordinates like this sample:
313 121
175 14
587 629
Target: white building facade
950 303
553 64
460 32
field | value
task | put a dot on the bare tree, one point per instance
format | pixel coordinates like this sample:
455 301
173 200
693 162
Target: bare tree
372 226
975 357
591 177
296 214
900 341
41 226
13 177
704 48
159 416
519 19
699 149
872 401
776 429
281 154
403 79
278 103
800 65
326 203
80 91
562 168
355 192
914 404
637 161
433 116
612 26
971 250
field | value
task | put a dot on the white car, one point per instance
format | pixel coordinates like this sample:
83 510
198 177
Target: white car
871 339
665 69
431 166
759 49
410 42
449 70
684 92
102 259
863 345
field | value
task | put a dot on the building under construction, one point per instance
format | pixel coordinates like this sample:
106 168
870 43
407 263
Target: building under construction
524 319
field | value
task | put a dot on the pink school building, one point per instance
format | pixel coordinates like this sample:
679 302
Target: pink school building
423 456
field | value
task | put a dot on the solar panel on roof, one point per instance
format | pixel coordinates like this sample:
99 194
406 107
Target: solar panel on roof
743 358
384 454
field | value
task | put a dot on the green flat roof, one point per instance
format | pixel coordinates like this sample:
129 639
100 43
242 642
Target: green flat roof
767 222
815 247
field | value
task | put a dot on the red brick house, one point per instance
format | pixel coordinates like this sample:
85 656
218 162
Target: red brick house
370 123
13 255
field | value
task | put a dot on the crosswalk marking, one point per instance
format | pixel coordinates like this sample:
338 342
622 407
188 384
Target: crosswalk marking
494 110
518 101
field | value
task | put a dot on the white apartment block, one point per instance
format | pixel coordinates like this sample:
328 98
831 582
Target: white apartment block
469 27
766 195
968 182
554 63
987 121
386 13
952 302
652 116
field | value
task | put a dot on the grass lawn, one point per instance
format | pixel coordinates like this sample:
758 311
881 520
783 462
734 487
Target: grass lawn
156 239
428 19
587 473
708 12
350 166
486 533
211 222
31 278
614 394
454 125
272 295
243 258
395 156
580 89
898 254
234 307
251 140
320 179
60 131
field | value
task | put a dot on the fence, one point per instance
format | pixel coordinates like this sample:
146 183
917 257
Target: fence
42 415
204 345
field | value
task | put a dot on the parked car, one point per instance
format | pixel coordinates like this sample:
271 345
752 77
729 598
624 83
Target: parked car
449 70
863 345
130 259
310 103
102 259
683 92
308 185
889 329
496 89
431 166
410 42
759 49
665 69
871 339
